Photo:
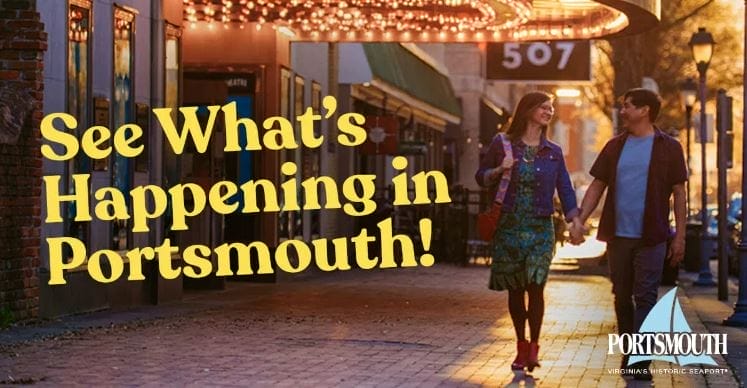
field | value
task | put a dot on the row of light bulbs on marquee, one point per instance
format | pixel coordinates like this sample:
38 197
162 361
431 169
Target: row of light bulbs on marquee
359 15
409 20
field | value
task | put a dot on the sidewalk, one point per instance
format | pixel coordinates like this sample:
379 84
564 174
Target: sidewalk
710 311
436 326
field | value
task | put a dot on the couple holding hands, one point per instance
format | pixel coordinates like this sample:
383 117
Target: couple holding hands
640 169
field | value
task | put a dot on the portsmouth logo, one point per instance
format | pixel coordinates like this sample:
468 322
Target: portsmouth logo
666 336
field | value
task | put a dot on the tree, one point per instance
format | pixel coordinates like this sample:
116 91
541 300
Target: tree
664 55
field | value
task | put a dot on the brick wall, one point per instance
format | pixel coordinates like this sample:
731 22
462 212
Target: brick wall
22 45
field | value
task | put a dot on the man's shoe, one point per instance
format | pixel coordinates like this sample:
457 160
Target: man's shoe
643 375
627 371
643 372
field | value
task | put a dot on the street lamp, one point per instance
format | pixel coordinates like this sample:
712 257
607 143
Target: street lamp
739 318
688 95
701 44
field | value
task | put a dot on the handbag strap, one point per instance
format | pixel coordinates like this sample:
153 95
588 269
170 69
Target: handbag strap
506 177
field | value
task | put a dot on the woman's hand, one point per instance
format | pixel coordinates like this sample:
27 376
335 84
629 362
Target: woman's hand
577 232
494 175
508 162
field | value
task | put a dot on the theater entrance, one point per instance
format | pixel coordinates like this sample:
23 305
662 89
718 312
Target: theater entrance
209 228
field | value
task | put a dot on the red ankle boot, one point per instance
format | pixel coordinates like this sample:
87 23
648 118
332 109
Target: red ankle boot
522 351
532 360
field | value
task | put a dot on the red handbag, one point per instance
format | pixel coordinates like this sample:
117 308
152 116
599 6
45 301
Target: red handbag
487 221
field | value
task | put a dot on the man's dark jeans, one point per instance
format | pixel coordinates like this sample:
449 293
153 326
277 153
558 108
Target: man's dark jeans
635 272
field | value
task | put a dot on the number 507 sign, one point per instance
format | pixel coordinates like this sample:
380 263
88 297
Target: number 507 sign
539 61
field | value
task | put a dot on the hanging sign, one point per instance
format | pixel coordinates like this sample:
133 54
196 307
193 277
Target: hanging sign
382 135
539 61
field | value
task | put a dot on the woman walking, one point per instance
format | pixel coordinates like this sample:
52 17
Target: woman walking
524 244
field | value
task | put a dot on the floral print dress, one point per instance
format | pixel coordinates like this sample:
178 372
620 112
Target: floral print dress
524 244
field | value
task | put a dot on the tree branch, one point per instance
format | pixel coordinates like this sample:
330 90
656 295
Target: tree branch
682 19
599 100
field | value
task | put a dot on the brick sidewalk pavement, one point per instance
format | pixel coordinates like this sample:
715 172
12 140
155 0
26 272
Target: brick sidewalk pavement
711 313
437 326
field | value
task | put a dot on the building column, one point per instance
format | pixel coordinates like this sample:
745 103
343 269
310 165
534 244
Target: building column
330 151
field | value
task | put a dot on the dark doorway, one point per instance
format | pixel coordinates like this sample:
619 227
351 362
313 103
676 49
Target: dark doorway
203 89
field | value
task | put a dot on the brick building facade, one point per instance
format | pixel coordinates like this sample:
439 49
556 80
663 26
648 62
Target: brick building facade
22 45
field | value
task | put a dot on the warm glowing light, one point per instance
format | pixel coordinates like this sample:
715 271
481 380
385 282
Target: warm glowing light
287 32
371 15
420 20
568 92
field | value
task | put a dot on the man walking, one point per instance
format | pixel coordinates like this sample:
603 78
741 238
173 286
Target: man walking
640 169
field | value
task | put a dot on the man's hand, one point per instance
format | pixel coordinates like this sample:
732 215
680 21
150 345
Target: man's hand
677 248
676 251
577 232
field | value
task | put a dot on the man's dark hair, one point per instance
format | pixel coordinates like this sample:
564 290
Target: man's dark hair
640 97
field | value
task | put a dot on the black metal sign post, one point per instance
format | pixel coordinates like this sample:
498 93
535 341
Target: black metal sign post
723 125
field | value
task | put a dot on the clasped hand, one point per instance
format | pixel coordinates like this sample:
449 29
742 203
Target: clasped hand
577 232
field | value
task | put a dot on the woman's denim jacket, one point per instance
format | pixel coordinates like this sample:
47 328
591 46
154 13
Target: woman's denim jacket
550 174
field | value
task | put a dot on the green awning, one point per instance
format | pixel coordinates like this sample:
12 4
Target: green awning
399 67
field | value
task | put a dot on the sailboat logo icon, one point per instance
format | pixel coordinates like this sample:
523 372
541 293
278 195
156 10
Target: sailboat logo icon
666 336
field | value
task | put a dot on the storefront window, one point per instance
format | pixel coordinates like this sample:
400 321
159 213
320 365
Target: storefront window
142 119
173 34
172 71
285 220
315 153
123 107
285 103
298 105
299 91
78 91
316 105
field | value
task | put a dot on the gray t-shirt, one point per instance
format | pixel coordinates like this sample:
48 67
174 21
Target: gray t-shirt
632 179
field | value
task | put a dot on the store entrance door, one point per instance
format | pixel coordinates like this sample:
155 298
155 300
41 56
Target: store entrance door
212 229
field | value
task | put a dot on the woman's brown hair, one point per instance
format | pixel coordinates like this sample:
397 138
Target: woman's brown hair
524 109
